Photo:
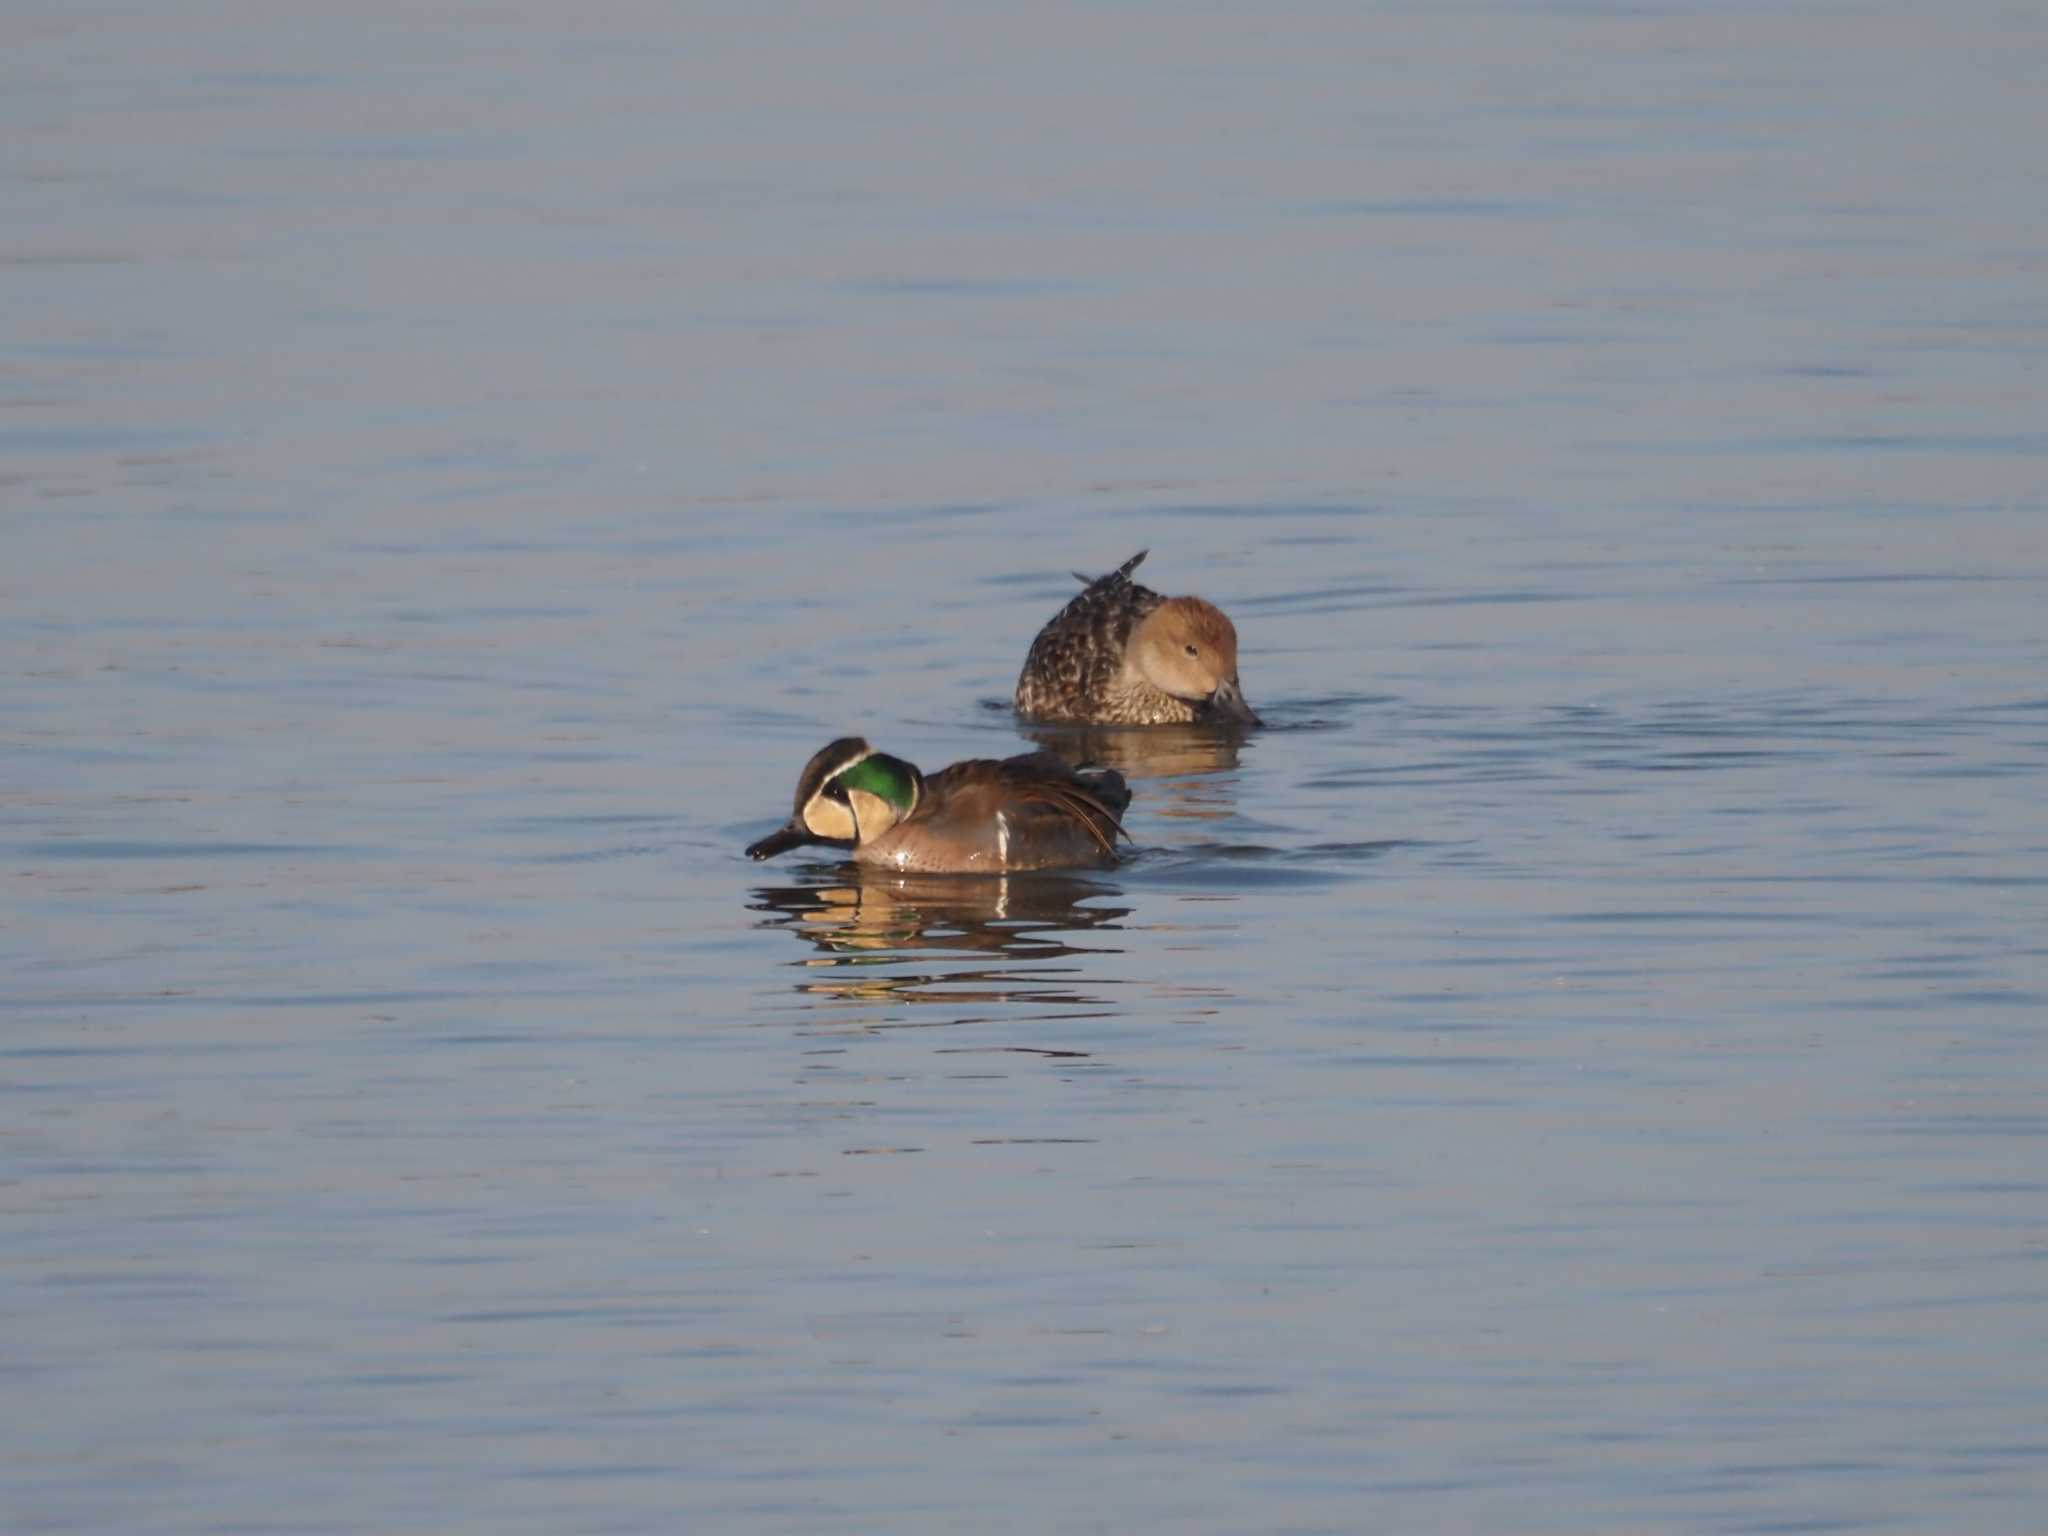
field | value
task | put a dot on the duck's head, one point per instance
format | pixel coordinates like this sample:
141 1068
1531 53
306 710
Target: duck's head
1188 648
847 795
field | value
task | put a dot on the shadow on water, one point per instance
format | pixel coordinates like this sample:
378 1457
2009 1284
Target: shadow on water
1183 771
947 939
1141 751
1234 868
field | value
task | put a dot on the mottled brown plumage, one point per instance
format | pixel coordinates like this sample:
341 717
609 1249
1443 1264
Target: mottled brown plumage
1120 654
979 816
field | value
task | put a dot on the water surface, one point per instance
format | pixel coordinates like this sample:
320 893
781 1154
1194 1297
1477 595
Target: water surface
1580 1068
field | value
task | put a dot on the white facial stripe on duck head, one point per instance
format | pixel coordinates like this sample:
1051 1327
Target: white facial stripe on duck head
821 804
881 791
864 798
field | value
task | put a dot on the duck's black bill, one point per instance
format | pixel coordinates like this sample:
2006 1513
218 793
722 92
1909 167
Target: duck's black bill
779 841
1229 704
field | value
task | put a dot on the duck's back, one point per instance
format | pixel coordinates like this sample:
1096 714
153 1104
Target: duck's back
1022 813
1071 667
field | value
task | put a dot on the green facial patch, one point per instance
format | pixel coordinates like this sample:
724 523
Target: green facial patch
885 778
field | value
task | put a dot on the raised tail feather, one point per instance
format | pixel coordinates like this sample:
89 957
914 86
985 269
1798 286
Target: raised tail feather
1122 572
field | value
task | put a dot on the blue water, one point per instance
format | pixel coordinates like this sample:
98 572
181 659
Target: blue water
1581 1068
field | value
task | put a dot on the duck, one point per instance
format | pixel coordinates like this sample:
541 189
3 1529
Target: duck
982 816
1120 654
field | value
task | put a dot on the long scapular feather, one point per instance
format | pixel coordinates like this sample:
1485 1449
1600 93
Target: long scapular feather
1082 807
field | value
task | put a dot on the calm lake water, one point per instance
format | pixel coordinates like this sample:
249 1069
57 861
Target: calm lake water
1583 1068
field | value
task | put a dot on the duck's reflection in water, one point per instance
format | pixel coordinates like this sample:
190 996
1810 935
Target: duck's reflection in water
948 938
1188 770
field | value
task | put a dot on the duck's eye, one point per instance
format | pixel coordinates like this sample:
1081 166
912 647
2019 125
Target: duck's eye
1194 651
836 791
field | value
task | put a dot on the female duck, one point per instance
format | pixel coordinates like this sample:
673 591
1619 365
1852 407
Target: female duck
1120 654
976 817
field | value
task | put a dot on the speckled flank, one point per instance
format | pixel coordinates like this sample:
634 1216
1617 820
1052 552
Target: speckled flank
1077 669
1077 655
1072 671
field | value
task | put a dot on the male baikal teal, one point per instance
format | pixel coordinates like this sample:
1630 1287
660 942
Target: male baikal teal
982 816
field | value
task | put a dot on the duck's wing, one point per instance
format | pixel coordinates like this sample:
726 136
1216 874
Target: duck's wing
1023 813
1046 784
